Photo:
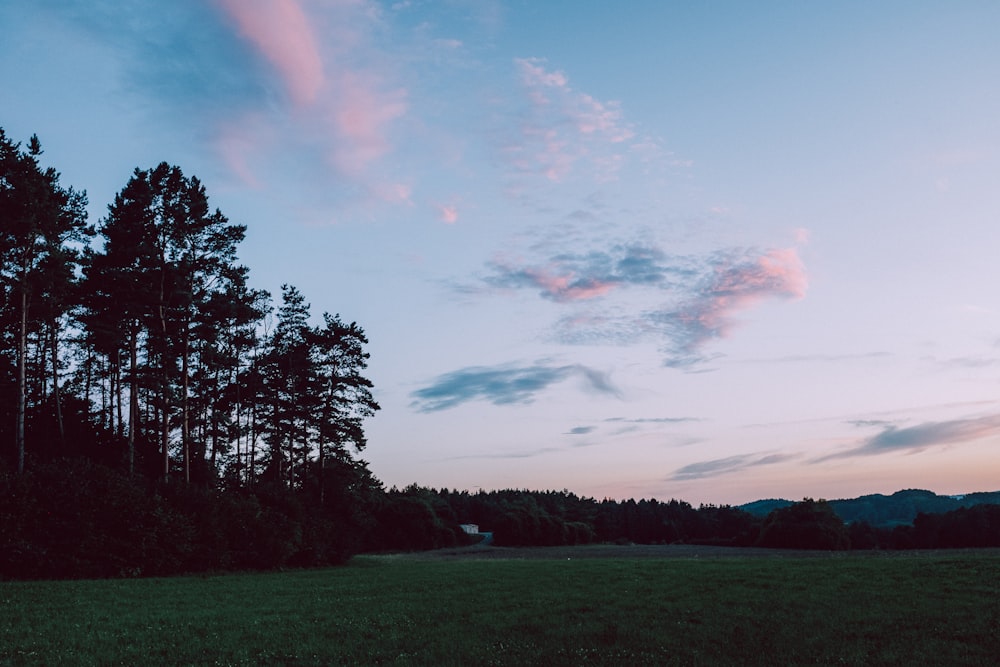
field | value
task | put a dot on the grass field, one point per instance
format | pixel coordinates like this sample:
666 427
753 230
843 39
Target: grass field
565 609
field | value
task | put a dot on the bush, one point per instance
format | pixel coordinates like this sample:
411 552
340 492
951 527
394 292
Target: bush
73 518
78 519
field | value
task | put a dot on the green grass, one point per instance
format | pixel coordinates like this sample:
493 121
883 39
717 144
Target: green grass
941 608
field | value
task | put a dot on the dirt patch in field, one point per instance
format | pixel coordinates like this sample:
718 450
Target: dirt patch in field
611 551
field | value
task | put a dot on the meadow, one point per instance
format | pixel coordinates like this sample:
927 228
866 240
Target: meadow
589 606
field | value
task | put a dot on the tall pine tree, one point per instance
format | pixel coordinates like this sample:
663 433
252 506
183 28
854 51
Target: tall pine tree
39 222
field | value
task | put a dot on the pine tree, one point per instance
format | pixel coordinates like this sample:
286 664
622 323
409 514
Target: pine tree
41 221
345 394
167 263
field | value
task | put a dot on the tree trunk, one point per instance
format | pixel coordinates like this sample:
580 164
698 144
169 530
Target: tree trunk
322 473
165 428
133 397
55 384
252 462
185 433
164 400
120 430
22 378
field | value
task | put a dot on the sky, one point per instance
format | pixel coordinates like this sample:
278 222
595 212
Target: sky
715 251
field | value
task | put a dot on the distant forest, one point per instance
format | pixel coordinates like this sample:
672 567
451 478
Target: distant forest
158 415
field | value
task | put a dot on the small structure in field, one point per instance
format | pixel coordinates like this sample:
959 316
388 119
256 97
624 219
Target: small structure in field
470 528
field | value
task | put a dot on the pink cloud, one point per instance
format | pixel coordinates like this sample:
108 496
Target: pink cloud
593 116
449 214
534 75
361 115
280 30
564 127
705 293
566 287
238 140
342 104
737 285
394 193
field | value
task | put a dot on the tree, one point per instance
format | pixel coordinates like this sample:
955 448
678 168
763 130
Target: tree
810 524
345 395
40 221
289 376
166 270
315 397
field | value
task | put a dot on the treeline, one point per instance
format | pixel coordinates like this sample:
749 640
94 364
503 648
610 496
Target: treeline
141 376
532 518
73 518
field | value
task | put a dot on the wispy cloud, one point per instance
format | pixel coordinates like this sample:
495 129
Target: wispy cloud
914 439
448 213
340 106
735 282
280 30
580 430
261 80
699 297
560 127
347 107
820 358
519 454
727 465
503 385
579 277
651 420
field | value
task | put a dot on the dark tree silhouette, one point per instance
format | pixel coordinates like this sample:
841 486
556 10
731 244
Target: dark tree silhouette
167 270
40 222
810 524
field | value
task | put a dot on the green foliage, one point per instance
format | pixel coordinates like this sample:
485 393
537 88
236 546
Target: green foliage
409 522
78 519
977 526
73 519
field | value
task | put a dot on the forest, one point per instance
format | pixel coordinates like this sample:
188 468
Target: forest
158 415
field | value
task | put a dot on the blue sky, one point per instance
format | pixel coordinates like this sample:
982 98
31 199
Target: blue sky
711 251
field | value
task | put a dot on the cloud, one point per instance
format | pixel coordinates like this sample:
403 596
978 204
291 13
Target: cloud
580 430
281 89
561 127
868 423
820 358
699 297
553 282
652 420
361 111
734 282
343 104
918 438
448 213
727 465
503 385
280 30
587 115
579 277
521 454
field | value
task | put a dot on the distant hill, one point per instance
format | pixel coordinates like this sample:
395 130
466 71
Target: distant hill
765 507
900 508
